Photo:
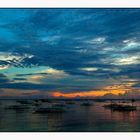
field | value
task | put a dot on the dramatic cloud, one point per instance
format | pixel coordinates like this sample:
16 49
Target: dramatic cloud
3 79
69 50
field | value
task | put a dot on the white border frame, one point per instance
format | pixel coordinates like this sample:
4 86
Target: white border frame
70 3
70 136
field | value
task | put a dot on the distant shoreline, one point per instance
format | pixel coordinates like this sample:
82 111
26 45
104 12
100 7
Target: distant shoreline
56 99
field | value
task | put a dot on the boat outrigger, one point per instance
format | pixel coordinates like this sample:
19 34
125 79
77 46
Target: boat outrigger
120 107
86 103
59 104
17 107
24 101
50 109
70 102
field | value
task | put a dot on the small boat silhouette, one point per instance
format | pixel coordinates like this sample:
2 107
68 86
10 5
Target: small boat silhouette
120 107
17 107
50 109
86 103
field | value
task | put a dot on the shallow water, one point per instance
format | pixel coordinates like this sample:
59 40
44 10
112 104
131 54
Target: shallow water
94 118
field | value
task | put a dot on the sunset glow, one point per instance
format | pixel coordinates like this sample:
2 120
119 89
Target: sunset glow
89 93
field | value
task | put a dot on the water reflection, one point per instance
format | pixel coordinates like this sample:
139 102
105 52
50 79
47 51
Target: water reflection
122 116
77 118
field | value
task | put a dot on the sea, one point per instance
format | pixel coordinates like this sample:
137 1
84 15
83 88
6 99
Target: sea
77 118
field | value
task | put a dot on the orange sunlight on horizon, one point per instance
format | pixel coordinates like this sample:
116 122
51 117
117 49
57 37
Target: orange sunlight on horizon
90 93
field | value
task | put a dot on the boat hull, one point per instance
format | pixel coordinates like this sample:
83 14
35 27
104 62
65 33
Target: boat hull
50 110
116 107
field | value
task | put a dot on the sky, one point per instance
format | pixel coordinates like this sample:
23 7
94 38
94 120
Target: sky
69 52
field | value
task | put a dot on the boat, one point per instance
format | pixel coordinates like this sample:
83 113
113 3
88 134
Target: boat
125 108
59 104
17 107
36 102
120 107
46 100
24 101
50 109
111 106
87 103
70 102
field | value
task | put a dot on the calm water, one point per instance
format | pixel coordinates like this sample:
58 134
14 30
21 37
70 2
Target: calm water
77 118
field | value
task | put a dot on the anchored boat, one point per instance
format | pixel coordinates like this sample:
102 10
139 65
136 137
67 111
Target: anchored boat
17 107
50 109
120 107
86 103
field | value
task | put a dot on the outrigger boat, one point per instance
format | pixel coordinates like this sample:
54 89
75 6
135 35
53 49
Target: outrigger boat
36 102
86 103
50 109
59 104
17 107
24 101
120 107
70 102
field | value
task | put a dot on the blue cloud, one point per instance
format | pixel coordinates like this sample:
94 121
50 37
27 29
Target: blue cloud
70 40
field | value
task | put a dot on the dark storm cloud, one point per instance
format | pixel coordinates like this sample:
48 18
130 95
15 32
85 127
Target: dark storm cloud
72 39
21 79
4 79
27 86
30 74
47 87
87 22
